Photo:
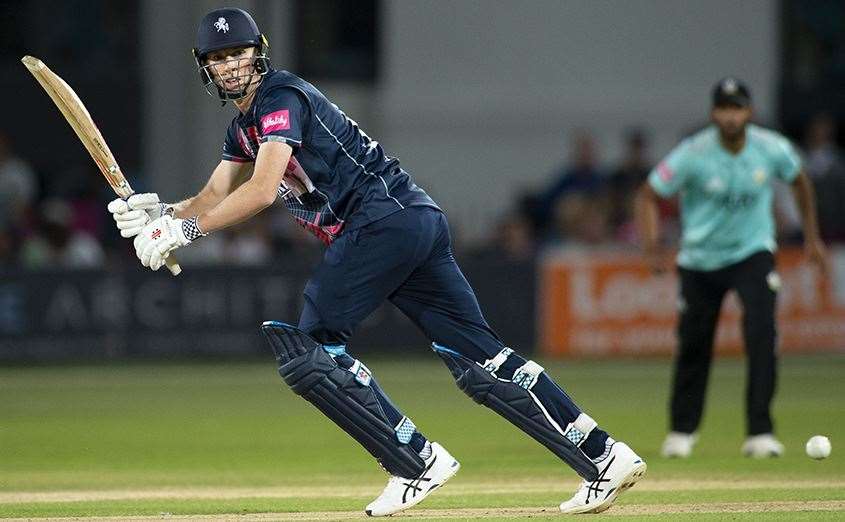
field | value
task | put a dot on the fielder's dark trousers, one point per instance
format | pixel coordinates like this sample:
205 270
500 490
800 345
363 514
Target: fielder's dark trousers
701 298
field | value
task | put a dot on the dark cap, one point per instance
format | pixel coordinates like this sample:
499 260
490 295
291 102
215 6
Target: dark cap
731 91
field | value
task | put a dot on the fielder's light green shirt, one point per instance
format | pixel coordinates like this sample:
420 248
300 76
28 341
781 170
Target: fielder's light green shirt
725 199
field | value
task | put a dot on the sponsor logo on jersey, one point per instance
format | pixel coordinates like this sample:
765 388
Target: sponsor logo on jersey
275 121
760 176
715 184
665 172
734 202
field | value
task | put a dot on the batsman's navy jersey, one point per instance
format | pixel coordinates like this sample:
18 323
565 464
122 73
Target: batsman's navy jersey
338 178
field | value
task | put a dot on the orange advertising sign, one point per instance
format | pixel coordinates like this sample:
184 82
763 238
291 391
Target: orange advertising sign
608 303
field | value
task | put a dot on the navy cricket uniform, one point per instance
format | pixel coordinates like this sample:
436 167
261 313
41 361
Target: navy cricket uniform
386 238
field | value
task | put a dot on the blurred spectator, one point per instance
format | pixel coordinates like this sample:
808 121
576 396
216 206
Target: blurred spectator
581 176
210 251
250 243
512 240
54 244
825 164
581 219
8 248
88 204
623 184
823 156
17 186
516 238
288 238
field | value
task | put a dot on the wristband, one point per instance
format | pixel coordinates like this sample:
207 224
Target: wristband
191 229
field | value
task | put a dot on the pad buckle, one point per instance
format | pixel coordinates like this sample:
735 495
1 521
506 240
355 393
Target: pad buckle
492 365
405 430
362 374
526 375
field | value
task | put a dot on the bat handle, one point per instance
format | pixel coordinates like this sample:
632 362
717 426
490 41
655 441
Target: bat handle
173 265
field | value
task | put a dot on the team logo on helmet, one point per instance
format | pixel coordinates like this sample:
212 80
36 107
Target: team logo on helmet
221 25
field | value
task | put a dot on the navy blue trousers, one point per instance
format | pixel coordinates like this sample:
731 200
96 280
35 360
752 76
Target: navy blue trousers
407 258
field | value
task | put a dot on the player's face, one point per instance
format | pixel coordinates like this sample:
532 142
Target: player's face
232 69
731 119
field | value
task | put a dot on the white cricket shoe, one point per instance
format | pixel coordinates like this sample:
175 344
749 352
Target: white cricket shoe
678 445
620 470
762 446
402 493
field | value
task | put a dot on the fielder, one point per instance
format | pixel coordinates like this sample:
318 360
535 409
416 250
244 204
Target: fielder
386 239
724 175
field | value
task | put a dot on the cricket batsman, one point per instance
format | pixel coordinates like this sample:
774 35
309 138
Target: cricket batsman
724 176
385 239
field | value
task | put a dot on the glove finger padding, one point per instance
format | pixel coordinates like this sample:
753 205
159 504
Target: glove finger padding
132 231
157 259
140 243
147 253
118 206
159 253
131 215
145 201
131 222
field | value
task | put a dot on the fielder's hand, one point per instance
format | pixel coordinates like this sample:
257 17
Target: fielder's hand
158 239
132 214
815 251
657 260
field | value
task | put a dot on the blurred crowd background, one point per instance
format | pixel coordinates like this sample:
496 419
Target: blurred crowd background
52 199
587 201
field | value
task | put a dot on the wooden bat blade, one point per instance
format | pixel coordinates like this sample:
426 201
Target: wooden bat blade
80 120
32 63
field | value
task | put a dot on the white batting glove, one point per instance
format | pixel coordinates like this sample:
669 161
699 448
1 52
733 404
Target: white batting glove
132 214
161 237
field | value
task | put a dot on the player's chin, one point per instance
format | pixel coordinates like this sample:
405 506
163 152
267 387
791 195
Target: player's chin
732 131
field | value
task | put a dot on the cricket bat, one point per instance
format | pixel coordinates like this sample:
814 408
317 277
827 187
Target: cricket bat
78 117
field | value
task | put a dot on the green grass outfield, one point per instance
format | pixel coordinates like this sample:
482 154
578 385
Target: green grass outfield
166 441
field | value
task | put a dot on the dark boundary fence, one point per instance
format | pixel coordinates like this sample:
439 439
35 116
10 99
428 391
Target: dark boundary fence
64 316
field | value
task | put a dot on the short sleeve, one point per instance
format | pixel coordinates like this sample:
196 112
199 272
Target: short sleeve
669 175
232 147
282 114
787 161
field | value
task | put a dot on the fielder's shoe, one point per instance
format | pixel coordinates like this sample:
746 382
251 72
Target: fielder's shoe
762 446
678 445
402 493
620 470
